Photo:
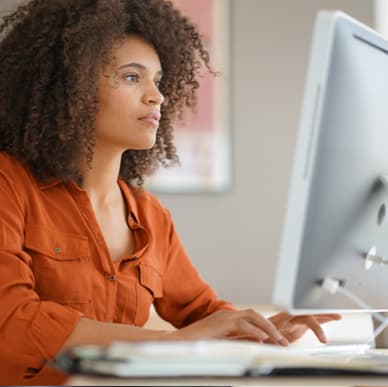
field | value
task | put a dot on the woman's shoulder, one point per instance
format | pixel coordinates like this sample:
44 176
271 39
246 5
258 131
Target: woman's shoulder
6 159
15 179
13 168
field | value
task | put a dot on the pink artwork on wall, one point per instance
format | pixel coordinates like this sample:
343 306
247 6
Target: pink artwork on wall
203 141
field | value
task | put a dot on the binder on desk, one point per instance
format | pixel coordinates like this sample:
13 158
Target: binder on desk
212 358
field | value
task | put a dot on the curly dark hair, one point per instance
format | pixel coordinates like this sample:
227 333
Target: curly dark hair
49 55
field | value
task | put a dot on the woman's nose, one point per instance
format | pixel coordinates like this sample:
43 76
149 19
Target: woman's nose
154 96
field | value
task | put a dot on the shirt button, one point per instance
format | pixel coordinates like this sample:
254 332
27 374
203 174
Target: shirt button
111 277
57 250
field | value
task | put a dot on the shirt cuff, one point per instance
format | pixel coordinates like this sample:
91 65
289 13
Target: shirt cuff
51 327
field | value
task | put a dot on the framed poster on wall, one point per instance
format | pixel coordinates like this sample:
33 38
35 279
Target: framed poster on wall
203 140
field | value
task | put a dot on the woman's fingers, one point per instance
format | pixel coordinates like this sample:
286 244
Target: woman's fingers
314 323
246 329
322 318
233 324
292 326
247 324
284 319
295 332
315 326
263 324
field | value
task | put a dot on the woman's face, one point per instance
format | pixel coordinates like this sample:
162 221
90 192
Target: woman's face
129 97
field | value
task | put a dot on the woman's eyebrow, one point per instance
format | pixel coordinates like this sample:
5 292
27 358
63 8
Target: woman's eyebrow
138 66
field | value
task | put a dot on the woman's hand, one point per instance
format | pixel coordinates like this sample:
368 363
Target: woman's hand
294 327
243 324
280 329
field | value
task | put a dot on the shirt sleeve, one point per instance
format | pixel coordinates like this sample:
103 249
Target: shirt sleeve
186 296
32 331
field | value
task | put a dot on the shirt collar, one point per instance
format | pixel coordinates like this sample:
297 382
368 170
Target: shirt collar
50 183
127 191
129 197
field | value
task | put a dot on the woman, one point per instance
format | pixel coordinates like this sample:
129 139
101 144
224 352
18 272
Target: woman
89 92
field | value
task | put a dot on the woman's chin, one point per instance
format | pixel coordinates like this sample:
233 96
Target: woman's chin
144 146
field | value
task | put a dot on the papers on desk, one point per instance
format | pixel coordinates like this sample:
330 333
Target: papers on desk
211 358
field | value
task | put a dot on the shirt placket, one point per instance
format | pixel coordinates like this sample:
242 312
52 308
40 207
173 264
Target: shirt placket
103 258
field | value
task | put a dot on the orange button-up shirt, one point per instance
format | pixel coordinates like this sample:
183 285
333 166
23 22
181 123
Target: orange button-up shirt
55 267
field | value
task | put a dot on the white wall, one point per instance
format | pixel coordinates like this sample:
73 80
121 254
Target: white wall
233 238
8 5
381 17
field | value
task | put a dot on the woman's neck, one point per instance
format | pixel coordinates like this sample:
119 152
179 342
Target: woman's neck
100 181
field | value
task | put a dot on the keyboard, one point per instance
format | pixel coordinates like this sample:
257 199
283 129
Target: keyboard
220 358
331 349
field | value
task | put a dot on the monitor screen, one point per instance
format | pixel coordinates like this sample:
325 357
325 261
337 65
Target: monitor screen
337 208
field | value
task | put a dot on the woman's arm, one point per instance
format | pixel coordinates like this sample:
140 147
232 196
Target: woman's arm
89 331
220 325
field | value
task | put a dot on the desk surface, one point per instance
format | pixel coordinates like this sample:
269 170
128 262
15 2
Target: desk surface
227 381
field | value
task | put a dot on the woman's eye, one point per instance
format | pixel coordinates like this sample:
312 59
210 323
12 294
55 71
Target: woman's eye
132 77
157 84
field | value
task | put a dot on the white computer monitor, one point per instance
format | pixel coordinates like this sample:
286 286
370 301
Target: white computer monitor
338 195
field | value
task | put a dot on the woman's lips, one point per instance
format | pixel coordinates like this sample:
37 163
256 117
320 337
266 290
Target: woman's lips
151 118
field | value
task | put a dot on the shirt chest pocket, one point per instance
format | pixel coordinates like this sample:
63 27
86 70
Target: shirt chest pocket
150 286
60 265
151 280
